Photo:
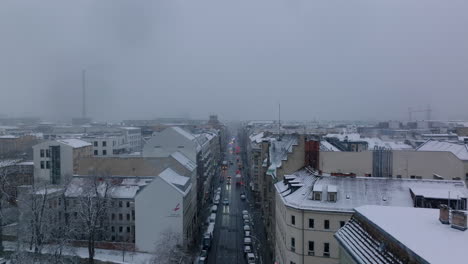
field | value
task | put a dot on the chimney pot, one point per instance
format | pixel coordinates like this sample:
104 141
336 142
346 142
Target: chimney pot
444 214
459 220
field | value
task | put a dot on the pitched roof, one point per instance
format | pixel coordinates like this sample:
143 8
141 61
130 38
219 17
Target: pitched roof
459 150
184 133
120 188
420 231
180 183
182 159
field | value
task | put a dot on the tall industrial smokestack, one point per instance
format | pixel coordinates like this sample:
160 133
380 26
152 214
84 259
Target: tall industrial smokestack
83 84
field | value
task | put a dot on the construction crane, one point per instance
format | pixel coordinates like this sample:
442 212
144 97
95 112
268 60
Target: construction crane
428 111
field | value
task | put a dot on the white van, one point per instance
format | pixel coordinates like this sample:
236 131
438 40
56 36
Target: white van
214 209
250 258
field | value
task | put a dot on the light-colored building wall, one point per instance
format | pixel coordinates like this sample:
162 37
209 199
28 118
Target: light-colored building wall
155 214
406 163
168 141
302 234
346 162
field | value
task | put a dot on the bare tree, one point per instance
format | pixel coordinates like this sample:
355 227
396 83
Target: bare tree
169 249
93 196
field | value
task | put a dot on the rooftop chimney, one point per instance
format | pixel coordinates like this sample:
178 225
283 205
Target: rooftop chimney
459 220
444 214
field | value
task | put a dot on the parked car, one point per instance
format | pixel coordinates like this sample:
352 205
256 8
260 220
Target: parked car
246 217
247 241
247 233
250 258
246 228
245 212
226 201
212 218
246 221
214 208
247 249
216 202
242 196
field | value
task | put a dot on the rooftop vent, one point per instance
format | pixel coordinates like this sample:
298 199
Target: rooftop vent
444 214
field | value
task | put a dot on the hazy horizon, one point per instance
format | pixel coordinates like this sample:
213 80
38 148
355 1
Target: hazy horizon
359 60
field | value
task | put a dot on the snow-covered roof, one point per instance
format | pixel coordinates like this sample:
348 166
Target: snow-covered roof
438 193
420 231
459 150
184 133
74 142
181 183
327 146
8 162
8 137
372 142
353 192
279 150
182 159
26 163
119 188
257 138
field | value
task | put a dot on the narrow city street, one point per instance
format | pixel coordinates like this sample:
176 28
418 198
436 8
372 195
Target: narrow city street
228 241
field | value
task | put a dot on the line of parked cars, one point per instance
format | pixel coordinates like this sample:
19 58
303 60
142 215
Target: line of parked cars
248 246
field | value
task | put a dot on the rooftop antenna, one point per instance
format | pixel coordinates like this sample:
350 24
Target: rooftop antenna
279 120
83 86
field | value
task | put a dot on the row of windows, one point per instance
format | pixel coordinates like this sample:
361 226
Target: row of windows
45 165
96 152
112 217
104 143
326 223
311 248
121 228
44 153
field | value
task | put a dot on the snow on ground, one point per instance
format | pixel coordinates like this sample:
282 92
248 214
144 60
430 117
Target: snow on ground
114 256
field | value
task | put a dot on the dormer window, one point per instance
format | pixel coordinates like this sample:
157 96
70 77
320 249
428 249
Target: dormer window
332 193
317 196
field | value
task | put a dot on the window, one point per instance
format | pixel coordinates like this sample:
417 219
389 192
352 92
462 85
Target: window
466 177
311 223
113 216
311 248
326 224
332 197
104 152
326 250
293 220
180 146
47 153
120 217
342 223
128 217
112 204
292 262
95 152
95 143
398 176
120 204
133 215
128 204
42 153
104 143
120 229
42 164
293 244
317 196
113 238
128 229
413 177
75 214
112 228
47 164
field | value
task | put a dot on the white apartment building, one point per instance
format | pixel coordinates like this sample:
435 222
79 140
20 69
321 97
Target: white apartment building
56 159
166 205
108 145
133 138
310 208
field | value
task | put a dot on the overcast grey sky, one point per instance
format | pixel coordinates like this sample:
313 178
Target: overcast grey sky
320 59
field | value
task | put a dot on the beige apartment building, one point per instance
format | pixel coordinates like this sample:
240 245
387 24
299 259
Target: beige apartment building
310 208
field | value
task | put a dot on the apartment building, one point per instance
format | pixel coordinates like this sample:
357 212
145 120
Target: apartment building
387 234
12 146
108 144
14 173
431 160
311 208
56 159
